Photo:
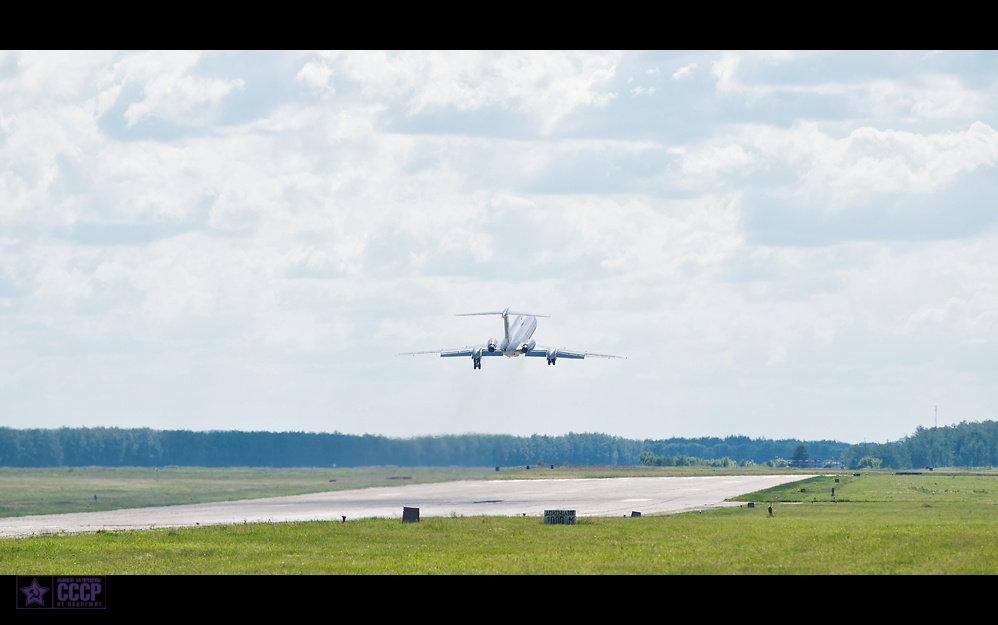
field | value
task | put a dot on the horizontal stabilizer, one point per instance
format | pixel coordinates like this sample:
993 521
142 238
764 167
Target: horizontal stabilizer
502 313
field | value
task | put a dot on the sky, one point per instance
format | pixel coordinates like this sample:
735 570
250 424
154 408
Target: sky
783 244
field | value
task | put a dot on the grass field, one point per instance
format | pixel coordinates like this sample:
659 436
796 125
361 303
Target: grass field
878 523
60 490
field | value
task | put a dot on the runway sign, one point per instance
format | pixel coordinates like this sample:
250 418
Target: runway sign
559 517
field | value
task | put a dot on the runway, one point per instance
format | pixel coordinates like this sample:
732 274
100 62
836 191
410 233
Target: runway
588 497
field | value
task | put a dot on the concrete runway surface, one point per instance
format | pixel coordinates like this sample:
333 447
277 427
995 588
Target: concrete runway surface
588 497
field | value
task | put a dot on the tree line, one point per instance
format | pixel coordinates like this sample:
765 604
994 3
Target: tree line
962 445
966 444
146 447
743 449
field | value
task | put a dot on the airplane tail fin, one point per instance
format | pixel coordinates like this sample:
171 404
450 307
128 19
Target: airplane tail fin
505 319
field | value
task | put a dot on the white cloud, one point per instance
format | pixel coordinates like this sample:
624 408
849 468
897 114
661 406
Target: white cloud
684 71
170 90
724 69
47 77
547 85
317 74
868 161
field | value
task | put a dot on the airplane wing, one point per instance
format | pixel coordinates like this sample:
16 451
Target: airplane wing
551 353
476 353
483 350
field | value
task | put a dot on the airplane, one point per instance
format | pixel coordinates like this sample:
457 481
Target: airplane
516 342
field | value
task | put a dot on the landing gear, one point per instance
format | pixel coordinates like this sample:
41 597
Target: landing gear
551 361
477 362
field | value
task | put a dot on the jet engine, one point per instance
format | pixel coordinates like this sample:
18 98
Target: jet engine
526 347
493 344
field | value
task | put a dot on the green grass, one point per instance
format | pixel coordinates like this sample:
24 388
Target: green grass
63 489
953 486
880 523
808 538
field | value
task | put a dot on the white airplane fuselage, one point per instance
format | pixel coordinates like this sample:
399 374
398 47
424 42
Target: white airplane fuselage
517 340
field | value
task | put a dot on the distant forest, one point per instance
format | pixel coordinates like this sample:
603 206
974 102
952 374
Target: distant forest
966 444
